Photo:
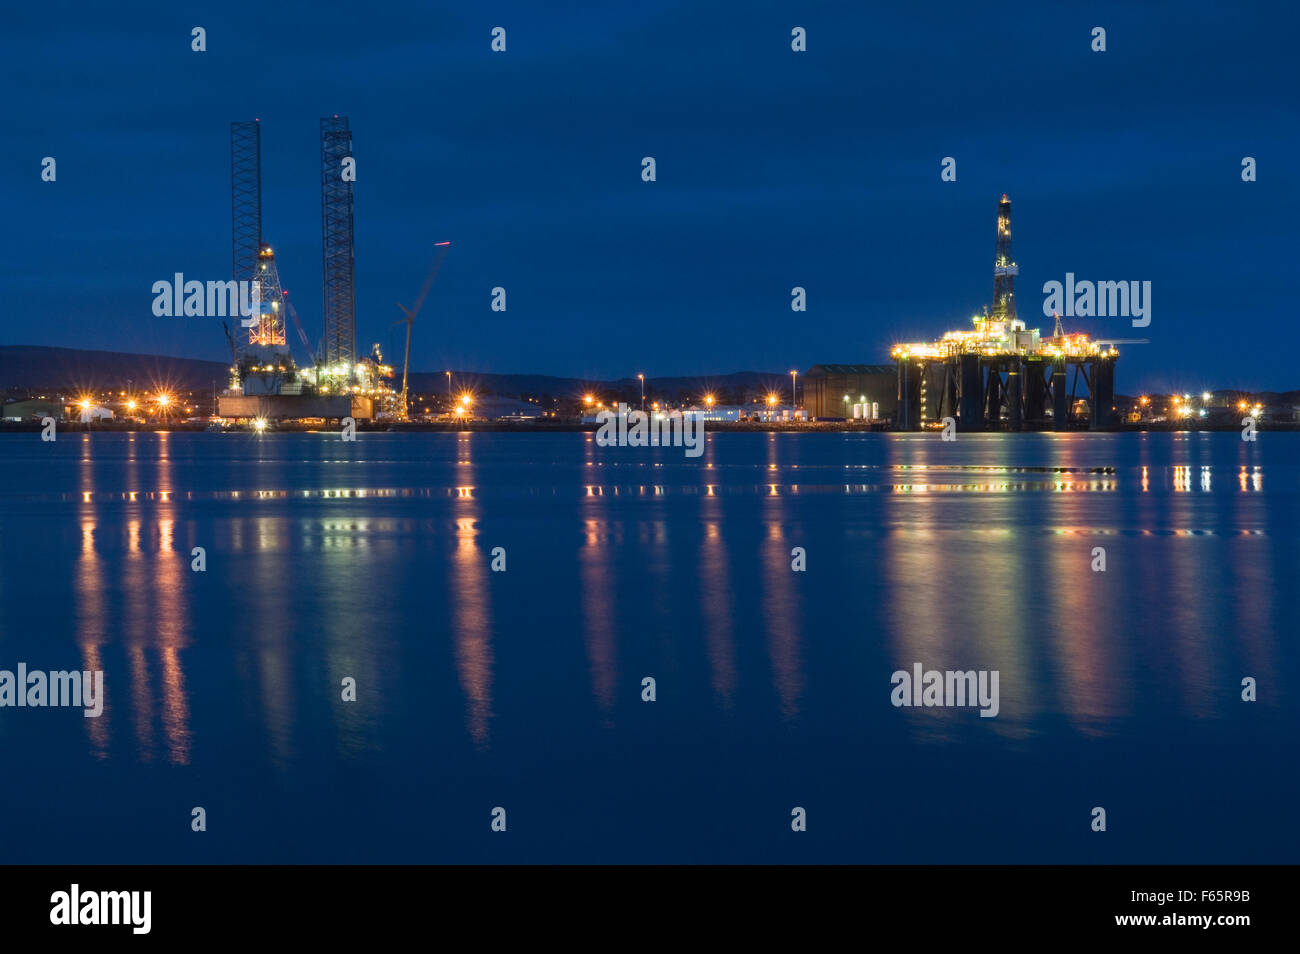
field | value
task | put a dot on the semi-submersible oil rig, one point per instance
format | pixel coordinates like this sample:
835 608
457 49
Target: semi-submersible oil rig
1003 376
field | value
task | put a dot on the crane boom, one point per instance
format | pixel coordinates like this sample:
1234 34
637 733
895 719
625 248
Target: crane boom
230 340
293 313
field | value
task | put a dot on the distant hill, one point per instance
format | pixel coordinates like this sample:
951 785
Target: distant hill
72 369
24 366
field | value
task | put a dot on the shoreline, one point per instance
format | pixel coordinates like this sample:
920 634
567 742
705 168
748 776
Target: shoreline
557 427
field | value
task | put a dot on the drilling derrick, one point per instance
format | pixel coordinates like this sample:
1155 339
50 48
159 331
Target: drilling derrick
1004 269
266 331
262 363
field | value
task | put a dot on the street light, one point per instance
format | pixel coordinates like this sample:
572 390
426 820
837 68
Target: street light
794 401
641 377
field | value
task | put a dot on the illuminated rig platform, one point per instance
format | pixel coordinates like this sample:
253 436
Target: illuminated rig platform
1002 375
265 381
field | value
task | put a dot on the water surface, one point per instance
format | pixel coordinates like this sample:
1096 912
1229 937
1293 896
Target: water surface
371 560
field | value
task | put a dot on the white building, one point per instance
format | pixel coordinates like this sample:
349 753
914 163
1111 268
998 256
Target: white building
756 412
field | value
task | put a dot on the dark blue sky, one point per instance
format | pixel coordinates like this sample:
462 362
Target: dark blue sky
775 169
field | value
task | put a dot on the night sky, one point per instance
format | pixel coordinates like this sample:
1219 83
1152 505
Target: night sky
775 169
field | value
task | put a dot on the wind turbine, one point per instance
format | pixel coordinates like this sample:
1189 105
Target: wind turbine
410 313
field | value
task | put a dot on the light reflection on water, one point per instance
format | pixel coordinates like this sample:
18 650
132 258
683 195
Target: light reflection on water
959 591
472 615
1180 480
373 563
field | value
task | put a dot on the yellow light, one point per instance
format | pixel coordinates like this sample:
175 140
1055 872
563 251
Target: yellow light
771 399
260 424
164 400
588 399
708 399
85 405
130 405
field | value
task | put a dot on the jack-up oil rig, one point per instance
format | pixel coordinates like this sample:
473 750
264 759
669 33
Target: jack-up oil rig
265 381
1002 375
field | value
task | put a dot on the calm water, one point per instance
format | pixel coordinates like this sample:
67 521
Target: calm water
522 689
